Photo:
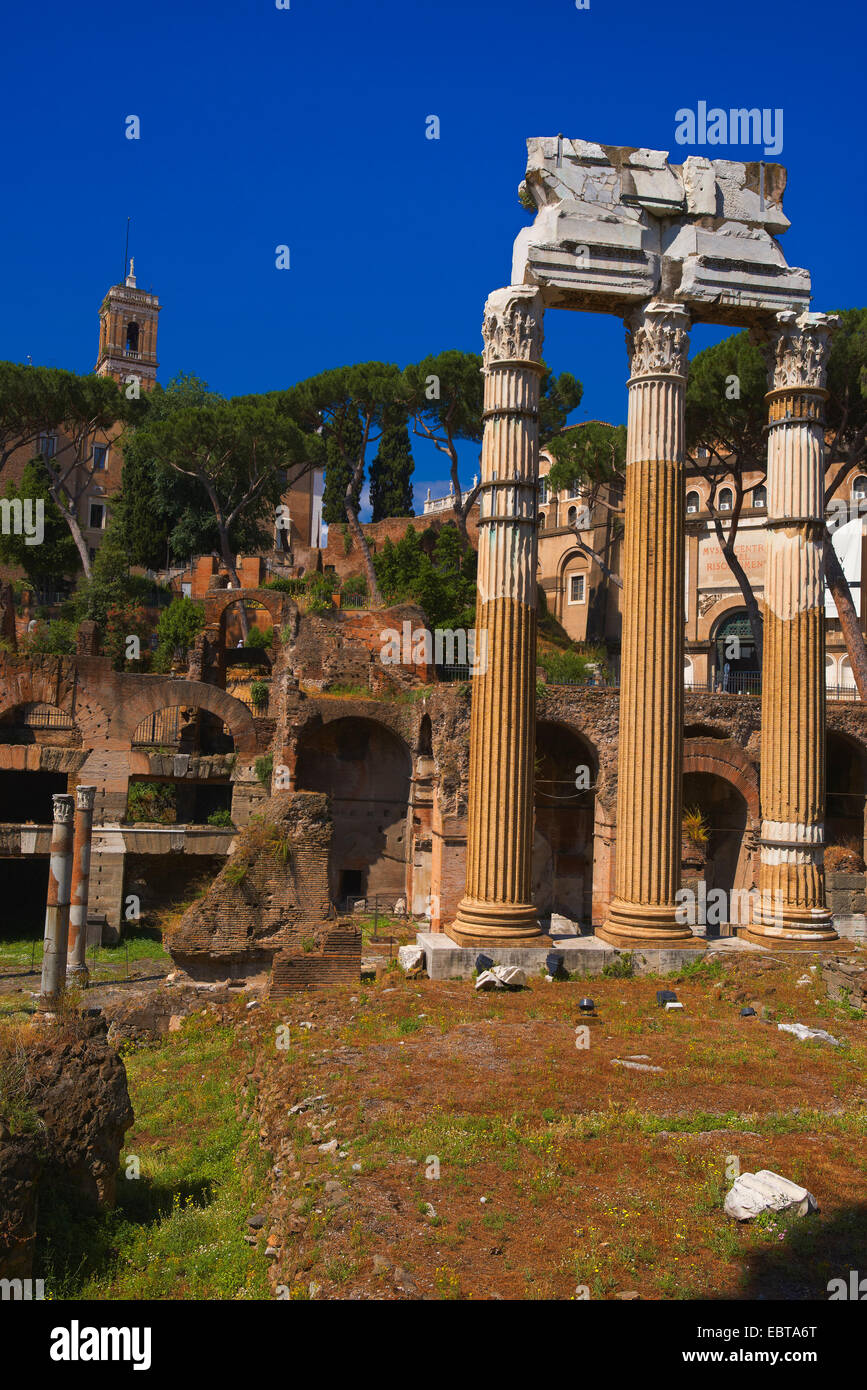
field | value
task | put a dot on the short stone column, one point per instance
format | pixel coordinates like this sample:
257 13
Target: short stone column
497 905
792 786
57 905
76 965
650 747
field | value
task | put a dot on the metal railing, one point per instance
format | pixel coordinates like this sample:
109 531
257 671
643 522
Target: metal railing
162 728
735 683
43 717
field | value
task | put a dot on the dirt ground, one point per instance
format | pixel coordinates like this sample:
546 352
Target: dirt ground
481 1153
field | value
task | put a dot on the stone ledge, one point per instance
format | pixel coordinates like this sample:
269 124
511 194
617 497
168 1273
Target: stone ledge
585 955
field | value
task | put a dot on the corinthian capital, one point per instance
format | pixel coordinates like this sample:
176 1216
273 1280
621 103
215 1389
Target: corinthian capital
657 339
84 798
513 325
63 807
797 354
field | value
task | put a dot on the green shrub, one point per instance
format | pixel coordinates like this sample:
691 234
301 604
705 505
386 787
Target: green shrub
222 817
264 769
259 694
259 638
152 801
565 666
55 638
286 586
177 629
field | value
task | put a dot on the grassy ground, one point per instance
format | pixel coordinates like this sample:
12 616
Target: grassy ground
178 1228
139 943
547 1168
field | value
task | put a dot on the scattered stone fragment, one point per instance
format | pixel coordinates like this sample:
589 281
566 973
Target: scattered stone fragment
633 1066
411 960
429 1210
304 1104
806 1034
257 1220
754 1193
502 977
628 1297
673 1004
329 1148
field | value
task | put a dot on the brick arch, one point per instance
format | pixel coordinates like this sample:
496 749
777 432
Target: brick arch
576 731
164 694
219 601
36 686
733 603
724 759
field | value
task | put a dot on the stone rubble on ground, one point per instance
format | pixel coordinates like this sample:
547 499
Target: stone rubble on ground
633 1066
806 1034
502 977
754 1193
411 959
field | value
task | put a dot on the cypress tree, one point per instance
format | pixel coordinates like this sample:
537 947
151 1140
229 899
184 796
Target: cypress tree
342 446
391 470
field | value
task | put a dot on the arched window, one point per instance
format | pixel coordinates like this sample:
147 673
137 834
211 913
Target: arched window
132 337
688 669
847 680
693 501
830 671
859 488
541 521
726 498
572 516
760 497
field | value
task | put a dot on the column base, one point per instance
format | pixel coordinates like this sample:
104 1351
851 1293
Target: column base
78 975
631 926
496 924
796 928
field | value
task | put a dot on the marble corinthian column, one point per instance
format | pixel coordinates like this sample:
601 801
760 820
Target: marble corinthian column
497 906
644 911
791 870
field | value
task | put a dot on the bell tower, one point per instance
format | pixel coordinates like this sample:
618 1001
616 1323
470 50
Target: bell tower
128 333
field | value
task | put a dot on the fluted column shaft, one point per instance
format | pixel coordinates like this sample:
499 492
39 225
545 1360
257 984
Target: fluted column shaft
497 902
76 964
650 740
791 866
57 904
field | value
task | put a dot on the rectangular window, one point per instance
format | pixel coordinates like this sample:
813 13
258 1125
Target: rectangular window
100 456
186 590
97 516
48 445
576 588
543 491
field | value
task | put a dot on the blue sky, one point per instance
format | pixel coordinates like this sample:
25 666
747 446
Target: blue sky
306 127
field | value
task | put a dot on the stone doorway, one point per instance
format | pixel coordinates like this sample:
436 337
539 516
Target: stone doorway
365 769
563 834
